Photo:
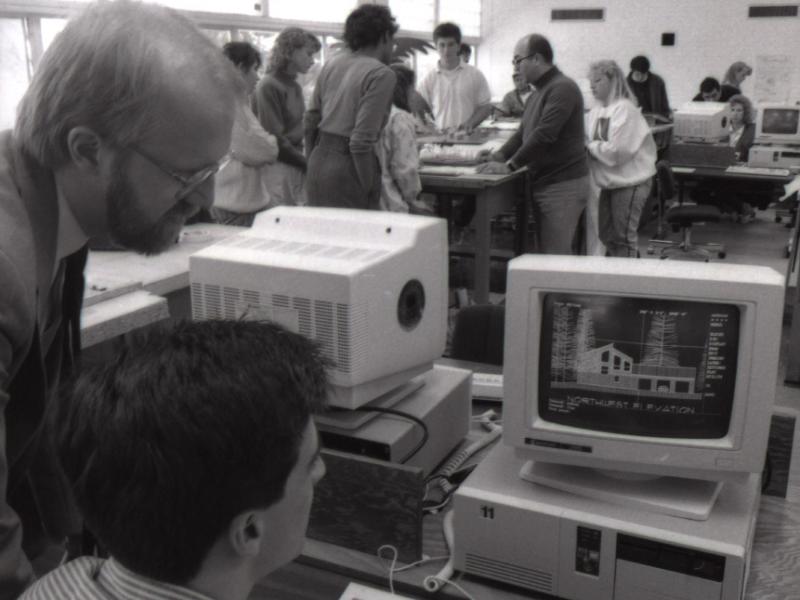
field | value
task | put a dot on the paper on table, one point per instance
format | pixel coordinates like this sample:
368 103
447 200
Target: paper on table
791 187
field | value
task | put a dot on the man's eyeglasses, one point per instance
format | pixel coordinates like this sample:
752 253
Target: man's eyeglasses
518 59
189 183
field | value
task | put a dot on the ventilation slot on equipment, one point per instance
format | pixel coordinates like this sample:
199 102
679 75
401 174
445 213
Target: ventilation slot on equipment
515 575
577 14
773 10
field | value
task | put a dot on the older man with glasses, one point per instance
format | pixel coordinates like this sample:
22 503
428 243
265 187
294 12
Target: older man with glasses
126 120
550 142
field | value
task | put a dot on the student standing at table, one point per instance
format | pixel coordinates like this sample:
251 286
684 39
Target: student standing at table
651 94
126 120
732 82
397 149
239 192
513 104
348 109
280 106
550 142
457 93
622 158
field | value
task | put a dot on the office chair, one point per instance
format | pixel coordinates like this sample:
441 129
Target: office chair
478 334
681 218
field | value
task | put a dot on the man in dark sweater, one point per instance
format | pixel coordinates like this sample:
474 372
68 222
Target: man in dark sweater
550 142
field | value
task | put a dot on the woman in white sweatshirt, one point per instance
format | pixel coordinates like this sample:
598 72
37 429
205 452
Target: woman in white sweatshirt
622 157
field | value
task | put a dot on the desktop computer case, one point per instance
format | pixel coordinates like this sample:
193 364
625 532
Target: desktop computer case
576 548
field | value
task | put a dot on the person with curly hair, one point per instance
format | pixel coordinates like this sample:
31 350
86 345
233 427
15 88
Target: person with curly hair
348 109
279 105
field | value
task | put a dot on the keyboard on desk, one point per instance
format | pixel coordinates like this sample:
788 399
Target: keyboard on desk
747 170
487 386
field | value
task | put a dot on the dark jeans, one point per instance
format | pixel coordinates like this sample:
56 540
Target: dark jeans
332 180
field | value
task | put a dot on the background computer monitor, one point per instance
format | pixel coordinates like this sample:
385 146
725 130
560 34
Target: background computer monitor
778 124
638 366
702 121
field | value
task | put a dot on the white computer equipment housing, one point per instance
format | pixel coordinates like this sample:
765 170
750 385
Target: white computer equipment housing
702 121
369 286
778 123
637 406
662 368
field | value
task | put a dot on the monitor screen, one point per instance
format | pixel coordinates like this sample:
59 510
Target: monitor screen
780 121
638 366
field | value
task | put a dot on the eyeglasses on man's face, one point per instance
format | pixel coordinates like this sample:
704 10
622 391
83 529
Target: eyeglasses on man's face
515 62
189 183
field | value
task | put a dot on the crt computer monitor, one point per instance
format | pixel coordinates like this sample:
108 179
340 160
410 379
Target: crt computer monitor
657 368
702 122
778 124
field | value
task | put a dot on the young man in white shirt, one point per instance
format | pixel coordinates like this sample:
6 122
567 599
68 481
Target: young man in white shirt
457 93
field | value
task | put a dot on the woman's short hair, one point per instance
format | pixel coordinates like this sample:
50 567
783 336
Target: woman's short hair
405 81
367 25
733 72
619 85
747 106
107 70
243 54
289 40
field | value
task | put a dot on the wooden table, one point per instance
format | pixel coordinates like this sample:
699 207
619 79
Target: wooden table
493 194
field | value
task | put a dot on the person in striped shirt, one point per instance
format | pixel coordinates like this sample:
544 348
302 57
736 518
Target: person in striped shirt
193 457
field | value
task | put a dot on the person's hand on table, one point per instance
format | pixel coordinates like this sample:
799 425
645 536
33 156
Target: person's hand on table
493 167
489 155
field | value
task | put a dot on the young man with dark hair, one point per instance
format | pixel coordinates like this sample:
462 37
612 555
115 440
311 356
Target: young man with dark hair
710 91
551 143
193 457
347 112
457 93
649 88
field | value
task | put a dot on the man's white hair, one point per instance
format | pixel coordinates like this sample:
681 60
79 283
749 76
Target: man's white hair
107 70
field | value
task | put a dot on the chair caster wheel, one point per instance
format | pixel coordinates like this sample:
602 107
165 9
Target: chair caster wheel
721 255
651 250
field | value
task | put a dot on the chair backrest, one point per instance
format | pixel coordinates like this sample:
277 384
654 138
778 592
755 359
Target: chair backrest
666 180
478 334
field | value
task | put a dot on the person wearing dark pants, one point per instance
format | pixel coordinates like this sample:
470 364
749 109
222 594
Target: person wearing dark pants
550 142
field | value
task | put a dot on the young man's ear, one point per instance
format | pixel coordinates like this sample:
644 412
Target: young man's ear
85 148
246 533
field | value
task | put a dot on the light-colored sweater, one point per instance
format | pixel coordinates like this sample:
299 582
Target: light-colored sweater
622 152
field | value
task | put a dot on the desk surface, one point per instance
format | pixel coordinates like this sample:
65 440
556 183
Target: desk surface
467 182
709 172
324 570
161 274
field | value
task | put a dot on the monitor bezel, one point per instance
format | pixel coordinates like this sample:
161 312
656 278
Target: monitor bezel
531 278
775 138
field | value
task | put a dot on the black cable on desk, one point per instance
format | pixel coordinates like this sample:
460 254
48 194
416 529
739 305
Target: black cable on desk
402 415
